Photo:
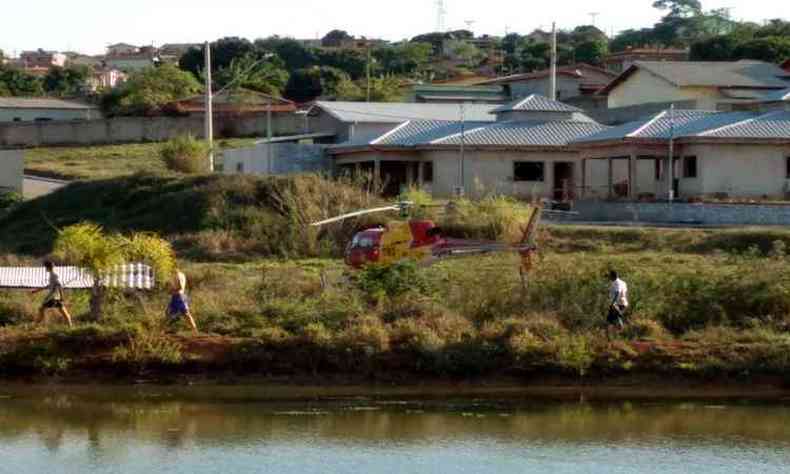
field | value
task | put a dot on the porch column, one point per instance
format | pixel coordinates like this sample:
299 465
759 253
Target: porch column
377 172
584 178
420 174
357 170
610 177
633 191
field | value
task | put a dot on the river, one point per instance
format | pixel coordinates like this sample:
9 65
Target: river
120 430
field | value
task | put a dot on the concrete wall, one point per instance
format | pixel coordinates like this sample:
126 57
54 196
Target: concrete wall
140 129
30 115
276 158
681 213
12 165
644 87
739 170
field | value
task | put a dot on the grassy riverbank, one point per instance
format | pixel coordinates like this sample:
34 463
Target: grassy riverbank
705 303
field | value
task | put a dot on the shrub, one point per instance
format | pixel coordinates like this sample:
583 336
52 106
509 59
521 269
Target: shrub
148 348
641 328
186 154
9 199
575 353
392 280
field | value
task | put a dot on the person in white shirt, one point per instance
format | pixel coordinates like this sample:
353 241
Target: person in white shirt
179 303
54 298
618 303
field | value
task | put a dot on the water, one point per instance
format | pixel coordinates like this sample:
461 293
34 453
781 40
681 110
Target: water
120 430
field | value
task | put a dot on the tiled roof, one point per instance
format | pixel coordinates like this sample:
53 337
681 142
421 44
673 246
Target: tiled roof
41 103
718 74
695 123
553 133
536 103
397 112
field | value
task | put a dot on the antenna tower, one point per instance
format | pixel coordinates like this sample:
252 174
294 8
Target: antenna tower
440 14
593 17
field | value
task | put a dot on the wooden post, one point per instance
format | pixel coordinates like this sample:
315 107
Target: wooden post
610 178
584 178
633 162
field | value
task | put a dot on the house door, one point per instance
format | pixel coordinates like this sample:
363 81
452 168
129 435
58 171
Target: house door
564 186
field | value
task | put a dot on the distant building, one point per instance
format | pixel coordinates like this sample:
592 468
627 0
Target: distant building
237 102
620 61
78 59
540 36
103 78
572 81
710 85
442 94
122 49
38 59
172 52
23 109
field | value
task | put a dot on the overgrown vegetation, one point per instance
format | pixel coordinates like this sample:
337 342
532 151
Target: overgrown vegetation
703 302
186 154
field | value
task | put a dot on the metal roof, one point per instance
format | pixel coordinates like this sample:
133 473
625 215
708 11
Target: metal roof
536 103
398 112
718 74
696 123
136 276
553 133
420 132
42 103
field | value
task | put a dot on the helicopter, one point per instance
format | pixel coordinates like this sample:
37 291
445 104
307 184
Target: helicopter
422 241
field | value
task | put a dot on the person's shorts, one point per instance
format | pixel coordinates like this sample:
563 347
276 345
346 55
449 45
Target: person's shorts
615 316
179 305
52 304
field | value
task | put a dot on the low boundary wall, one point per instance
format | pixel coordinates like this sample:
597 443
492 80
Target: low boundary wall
12 168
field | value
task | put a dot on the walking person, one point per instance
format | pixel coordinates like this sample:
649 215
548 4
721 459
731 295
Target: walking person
54 298
618 304
179 303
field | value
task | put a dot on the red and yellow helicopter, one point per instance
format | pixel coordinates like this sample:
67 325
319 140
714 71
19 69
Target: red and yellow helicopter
422 241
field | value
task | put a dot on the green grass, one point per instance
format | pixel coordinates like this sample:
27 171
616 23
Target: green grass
105 161
703 302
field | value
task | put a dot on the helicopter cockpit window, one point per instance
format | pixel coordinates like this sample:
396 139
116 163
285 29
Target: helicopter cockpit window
363 242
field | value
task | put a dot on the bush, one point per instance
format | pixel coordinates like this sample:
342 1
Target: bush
186 154
393 280
9 199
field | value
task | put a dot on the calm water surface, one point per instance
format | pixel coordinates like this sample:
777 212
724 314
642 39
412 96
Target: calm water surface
54 431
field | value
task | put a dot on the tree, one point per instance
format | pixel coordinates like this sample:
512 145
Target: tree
223 52
719 48
66 82
436 40
353 63
680 8
148 90
19 83
591 52
249 72
87 246
464 51
772 49
293 53
404 58
632 38
307 84
335 38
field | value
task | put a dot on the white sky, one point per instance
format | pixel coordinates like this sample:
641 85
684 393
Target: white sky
89 25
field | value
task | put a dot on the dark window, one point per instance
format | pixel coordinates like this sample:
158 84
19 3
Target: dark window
427 172
788 167
17 119
529 171
658 169
690 167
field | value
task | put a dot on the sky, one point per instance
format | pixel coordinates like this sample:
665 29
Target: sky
88 26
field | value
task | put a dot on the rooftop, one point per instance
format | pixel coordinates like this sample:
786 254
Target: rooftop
42 103
576 70
398 112
743 74
536 103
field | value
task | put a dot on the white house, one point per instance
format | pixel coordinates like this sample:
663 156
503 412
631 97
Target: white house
24 109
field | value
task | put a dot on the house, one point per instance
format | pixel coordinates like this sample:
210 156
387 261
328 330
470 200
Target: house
364 121
233 102
127 60
572 81
41 59
105 78
441 94
172 52
710 85
22 109
622 60
724 154
122 49
521 150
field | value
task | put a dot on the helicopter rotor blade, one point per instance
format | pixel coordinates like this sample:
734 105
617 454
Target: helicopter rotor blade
355 214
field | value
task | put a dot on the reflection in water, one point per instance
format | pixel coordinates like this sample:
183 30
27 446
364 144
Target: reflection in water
67 434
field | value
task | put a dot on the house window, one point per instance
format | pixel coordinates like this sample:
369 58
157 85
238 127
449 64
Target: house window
690 167
427 172
532 171
657 169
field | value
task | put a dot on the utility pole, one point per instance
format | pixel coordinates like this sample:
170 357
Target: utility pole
553 91
671 168
209 115
461 172
368 73
269 136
